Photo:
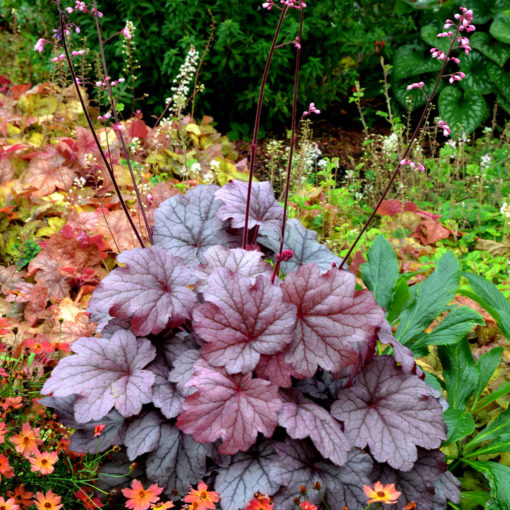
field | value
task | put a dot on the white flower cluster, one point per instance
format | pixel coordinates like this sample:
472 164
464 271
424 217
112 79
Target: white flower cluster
485 162
390 144
182 82
505 210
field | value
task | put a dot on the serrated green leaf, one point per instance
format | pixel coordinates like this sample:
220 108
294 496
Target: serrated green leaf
500 28
462 112
492 397
497 434
431 298
474 66
499 480
486 365
459 423
381 272
491 48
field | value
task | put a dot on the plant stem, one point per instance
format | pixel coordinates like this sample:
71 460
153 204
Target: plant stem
253 147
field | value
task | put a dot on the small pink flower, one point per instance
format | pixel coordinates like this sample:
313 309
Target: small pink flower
80 6
404 162
444 126
418 85
464 44
437 54
77 53
39 45
105 117
297 43
126 33
98 429
268 5
59 58
445 34
70 10
285 255
456 77
311 109
454 59
97 13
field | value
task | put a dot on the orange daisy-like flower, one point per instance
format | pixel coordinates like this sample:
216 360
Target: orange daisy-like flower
382 494
163 506
11 403
89 502
48 501
10 504
21 496
26 442
259 504
5 468
202 497
43 462
306 505
139 498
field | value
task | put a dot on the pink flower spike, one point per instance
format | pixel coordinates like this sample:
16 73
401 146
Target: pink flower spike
39 45
77 29
444 126
70 10
285 255
268 5
421 168
126 33
449 23
437 54
78 53
296 43
454 59
445 34
59 58
418 85
464 44
80 6
456 77
409 163
311 109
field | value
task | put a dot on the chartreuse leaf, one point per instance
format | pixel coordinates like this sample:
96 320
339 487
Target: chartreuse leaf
452 328
486 365
497 433
430 299
381 272
487 295
499 480
500 28
460 424
491 48
462 112
459 372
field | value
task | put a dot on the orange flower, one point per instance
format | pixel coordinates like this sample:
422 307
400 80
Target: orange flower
410 506
5 468
98 429
263 503
10 504
11 403
48 501
88 501
22 497
3 431
306 505
380 494
26 442
139 498
202 497
43 462
163 506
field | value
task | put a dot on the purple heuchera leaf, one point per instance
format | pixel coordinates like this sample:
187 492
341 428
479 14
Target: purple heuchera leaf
177 462
151 291
332 318
183 370
187 225
303 418
447 488
299 464
231 407
244 262
417 484
248 473
241 320
143 434
304 245
121 467
265 211
391 412
275 369
165 395
105 374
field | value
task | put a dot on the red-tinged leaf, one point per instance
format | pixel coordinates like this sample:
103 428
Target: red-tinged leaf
231 407
105 374
46 271
332 318
115 228
357 261
138 128
391 412
303 418
151 291
274 368
265 211
240 321
430 232
389 207
16 91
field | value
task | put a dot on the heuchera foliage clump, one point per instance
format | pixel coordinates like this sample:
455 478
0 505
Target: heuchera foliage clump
208 370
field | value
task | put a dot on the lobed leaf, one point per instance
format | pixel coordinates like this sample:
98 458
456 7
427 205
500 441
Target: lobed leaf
143 434
165 395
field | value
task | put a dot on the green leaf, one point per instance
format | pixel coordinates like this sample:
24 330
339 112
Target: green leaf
460 424
500 28
487 295
474 66
498 435
459 372
502 82
499 480
462 112
430 298
401 295
492 397
486 365
381 271
429 35
491 48
412 60
471 500
452 328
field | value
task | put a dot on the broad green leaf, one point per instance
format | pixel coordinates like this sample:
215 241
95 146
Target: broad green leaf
472 500
459 373
502 81
401 295
412 60
499 480
429 35
487 295
498 435
381 271
500 28
486 365
463 112
492 397
460 424
474 66
452 328
431 298
491 48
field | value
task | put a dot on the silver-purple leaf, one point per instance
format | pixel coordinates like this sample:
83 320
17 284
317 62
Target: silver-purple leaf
303 418
241 320
187 225
151 290
332 318
143 434
105 374
274 368
304 245
177 462
391 412
447 488
265 212
165 395
248 473
183 370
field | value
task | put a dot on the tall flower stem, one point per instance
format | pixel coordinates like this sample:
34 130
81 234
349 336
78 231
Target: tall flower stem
406 152
120 136
93 131
291 148
253 146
